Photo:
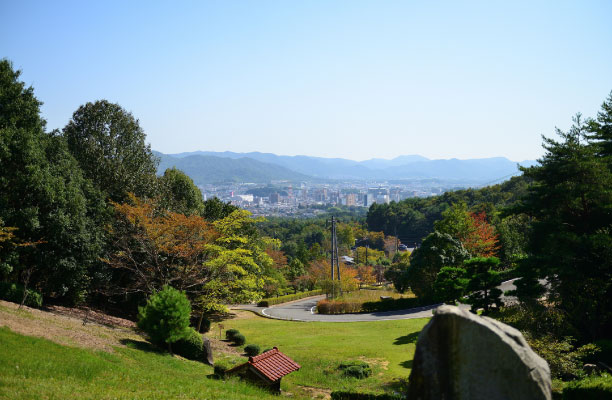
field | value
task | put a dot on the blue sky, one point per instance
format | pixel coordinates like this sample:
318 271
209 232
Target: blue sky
353 79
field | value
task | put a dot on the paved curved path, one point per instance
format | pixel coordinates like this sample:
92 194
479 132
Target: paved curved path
304 310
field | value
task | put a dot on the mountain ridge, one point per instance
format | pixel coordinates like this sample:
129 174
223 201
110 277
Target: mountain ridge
471 171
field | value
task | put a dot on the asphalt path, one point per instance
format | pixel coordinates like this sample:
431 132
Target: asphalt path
305 310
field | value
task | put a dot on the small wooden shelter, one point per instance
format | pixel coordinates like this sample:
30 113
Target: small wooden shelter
266 369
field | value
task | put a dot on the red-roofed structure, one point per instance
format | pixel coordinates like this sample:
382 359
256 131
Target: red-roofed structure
267 368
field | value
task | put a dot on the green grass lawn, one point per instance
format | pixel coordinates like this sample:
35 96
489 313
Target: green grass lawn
35 368
32 368
320 347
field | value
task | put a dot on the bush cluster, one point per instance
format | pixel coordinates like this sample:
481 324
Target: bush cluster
339 307
191 347
290 297
230 333
239 339
347 307
234 336
356 369
14 292
252 350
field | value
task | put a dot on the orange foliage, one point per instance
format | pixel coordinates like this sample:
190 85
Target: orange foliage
160 249
481 240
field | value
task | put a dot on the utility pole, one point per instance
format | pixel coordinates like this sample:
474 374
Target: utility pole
334 258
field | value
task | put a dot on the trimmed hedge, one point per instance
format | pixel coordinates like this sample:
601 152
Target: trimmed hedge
252 350
238 339
591 388
13 292
191 347
290 297
341 395
350 307
230 333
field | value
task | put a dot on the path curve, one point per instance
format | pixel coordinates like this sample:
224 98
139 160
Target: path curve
304 310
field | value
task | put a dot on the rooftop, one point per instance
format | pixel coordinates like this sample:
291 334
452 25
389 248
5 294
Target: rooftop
273 364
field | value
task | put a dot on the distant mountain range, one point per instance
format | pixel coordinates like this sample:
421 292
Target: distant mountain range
212 167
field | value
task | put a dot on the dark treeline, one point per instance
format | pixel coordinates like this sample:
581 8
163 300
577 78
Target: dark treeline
413 219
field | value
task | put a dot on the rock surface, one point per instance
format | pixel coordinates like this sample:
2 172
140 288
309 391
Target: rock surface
207 350
462 356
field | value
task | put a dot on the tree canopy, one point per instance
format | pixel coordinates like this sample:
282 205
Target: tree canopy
109 145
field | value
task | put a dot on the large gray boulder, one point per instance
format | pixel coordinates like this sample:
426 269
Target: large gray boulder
462 356
207 351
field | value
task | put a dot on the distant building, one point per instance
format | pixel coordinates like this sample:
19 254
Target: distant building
351 199
274 198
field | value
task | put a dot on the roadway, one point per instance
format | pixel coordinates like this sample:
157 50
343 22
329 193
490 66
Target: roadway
305 310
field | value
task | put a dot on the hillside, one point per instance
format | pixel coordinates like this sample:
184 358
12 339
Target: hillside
53 354
470 171
212 169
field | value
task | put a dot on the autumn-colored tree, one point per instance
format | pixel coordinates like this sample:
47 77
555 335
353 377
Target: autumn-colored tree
482 240
158 250
471 229
214 264
366 274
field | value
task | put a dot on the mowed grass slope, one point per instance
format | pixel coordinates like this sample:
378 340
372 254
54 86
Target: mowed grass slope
34 368
99 362
320 347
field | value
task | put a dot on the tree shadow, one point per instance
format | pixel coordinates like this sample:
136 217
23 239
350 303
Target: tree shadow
406 364
142 346
409 338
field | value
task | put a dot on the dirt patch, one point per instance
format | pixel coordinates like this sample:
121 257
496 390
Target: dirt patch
316 393
381 362
66 327
223 347
89 315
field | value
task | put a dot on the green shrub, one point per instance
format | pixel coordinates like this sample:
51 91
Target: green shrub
290 297
165 318
205 325
230 333
356 369
268 349
565 360
190 347
252 350
238 339
341 395
13 292
602 352
590 388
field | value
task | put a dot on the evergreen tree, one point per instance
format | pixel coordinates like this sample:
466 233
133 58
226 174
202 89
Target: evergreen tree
44 195
179 194
570 244
484 279
109 145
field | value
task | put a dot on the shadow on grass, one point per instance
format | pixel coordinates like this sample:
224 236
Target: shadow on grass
142 346
406 364
409 338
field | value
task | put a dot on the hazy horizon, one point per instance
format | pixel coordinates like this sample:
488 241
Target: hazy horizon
332 157
345 79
